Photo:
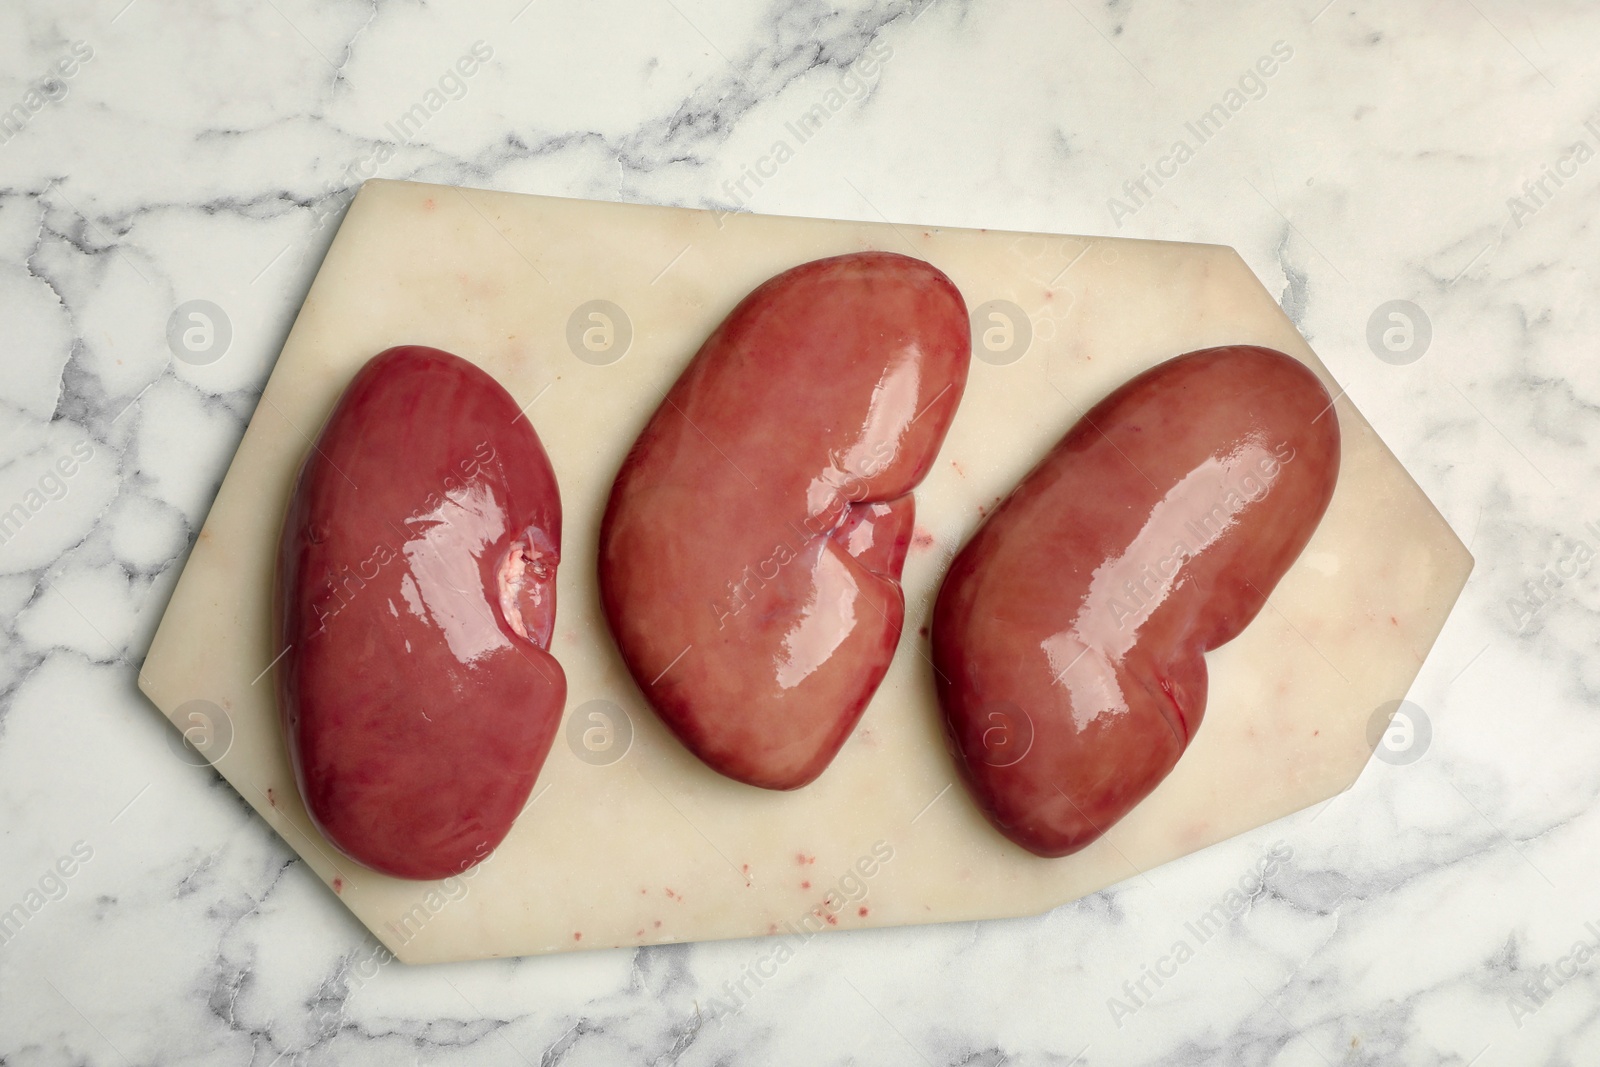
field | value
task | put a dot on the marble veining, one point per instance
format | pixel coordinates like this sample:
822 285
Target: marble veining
1435 914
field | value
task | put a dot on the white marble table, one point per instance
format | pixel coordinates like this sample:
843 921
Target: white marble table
1438 913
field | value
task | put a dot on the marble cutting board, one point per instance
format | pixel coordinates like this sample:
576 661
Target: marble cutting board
587 312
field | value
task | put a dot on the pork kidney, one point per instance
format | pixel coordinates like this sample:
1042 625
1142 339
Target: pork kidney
416 598
751 550
1068 636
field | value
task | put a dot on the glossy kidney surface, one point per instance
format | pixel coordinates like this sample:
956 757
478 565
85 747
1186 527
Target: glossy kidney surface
1068 636
751 551
416 598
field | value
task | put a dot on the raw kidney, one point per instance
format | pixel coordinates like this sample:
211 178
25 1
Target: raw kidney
416 597
750 554
1068 636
